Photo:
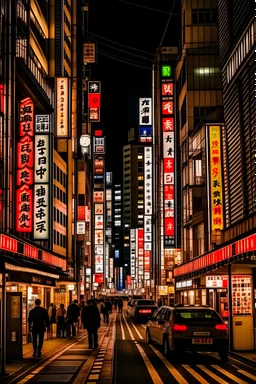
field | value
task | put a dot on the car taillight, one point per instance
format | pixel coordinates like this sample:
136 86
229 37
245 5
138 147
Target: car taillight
144 310
221 327
179 327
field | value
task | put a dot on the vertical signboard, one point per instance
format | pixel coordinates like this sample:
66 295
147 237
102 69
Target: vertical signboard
148 203
89 53
216 190
62 104
99 207
133 253
41 178
94 93
167 119
25 167
140 245
145 119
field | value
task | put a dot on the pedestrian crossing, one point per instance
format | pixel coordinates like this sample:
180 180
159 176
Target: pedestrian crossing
164 371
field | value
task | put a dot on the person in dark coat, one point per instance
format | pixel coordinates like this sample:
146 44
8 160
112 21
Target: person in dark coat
159 303
91 321
39 320
73 314
120 305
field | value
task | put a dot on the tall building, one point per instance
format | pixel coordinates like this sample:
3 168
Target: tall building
199 103
41 75
137 203
219 269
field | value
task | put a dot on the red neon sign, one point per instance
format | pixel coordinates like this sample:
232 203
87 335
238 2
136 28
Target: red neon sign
167 89
247 244
167 124
24 167
8 243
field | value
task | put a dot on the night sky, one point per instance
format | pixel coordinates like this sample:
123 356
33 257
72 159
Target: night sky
117 26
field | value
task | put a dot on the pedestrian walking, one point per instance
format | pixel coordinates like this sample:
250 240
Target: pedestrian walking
61 321
73 315
38 319
159 303
91 321
52 319
120 305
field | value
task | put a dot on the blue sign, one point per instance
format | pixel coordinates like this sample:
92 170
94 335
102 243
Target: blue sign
145 130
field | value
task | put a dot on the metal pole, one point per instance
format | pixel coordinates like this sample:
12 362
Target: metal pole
3 328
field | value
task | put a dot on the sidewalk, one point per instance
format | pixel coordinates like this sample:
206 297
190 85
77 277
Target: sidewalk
248 357
48 347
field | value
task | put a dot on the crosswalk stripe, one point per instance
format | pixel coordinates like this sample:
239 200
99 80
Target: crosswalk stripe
213 376
228 374
170 367
247 374
153 373
138 333
195 374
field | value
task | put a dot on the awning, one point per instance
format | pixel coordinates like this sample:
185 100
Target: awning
19 264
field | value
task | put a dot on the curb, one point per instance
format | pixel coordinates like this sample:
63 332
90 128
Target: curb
243 359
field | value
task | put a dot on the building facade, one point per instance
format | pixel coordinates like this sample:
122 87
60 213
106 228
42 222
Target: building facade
219 264
41 74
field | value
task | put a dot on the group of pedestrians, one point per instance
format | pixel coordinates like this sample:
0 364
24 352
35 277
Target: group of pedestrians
88 315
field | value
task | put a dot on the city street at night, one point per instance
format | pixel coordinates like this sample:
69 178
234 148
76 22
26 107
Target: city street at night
124 356
127 192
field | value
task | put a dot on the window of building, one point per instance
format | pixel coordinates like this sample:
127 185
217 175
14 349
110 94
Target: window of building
204 16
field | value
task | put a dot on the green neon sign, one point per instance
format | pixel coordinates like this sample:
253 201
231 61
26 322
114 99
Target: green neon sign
166 71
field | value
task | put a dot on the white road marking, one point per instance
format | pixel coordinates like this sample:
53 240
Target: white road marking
212 375
137 331
129 329
247 374
195 374
228 374
122 328
170 367
153 373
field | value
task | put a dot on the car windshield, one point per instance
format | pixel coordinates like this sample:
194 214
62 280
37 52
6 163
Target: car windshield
184 315
145 302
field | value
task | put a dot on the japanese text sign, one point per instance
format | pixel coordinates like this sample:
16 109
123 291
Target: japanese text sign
216 190
24 167
62 110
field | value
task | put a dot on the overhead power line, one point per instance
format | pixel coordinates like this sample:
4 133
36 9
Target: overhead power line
122 45
145 7
167 24
122 50
102 53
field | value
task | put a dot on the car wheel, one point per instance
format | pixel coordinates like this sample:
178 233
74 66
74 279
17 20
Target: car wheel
148 338
223 355
166 347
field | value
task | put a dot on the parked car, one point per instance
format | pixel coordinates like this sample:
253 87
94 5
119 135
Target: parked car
188 328
141 309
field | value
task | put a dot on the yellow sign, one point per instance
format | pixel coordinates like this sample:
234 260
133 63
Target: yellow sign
216 177
62 110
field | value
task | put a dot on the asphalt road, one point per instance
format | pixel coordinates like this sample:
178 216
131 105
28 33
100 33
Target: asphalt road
136 362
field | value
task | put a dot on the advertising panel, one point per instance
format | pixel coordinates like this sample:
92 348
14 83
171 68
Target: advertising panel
216 189
24 167
168 126
94 91
41 178
145 119
62 101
